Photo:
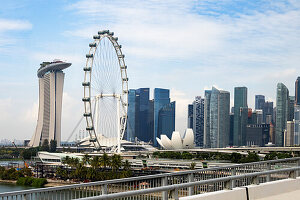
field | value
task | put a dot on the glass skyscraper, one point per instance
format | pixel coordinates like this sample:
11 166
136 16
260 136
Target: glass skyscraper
161 98
190 116
166 120
131 119
259 102
297 125
282 109
219 119
297 91
198 120
206 139
240 103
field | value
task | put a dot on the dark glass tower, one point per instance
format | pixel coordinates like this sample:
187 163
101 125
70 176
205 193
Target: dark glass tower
282 110
161 98
130 131
198 120
240 101
297 91
190 116
166 119
207 97
259 102
142 99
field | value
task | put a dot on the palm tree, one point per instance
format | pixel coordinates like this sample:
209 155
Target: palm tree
85 159
126 165
105 161
116 162
95 162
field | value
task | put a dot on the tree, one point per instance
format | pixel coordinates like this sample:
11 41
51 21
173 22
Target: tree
45 145
53 145
126 165
192 166
95 162
105 160
86 159
116 162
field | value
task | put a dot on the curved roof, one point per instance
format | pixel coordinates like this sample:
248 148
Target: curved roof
176 142
52 66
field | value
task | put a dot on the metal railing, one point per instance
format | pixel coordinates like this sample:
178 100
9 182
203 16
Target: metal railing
164 186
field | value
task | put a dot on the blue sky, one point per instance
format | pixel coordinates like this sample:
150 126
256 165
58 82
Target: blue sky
187 46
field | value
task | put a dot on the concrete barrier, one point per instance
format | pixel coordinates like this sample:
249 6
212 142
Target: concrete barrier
288 189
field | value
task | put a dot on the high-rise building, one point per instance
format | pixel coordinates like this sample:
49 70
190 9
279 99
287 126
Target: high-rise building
259 114
206 138
219 118
198 120
289 135
166 120
291 108
257 134
131 113
190 116
282 110
297 91
259 102
231 129
161 98
297 124
51 81
268 111
151 120
240 101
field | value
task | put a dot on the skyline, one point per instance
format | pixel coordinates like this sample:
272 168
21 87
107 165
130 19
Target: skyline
184 46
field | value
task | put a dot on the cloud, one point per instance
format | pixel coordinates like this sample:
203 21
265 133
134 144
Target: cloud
14 25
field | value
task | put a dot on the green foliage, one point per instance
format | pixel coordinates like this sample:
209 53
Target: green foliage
26 154
45 145
278 155
53 145
193 165
30 181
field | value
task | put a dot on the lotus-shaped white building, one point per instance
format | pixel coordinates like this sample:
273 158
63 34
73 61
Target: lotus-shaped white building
176 141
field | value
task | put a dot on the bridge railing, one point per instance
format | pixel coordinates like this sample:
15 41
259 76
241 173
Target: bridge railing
157 181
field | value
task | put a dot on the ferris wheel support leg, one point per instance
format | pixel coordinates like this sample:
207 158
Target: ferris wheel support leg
118 126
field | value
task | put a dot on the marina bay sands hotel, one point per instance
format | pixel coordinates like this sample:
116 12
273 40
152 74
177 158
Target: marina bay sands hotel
51 81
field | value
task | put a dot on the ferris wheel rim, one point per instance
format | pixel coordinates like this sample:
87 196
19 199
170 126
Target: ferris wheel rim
88 80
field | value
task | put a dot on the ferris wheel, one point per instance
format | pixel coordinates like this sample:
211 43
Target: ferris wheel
105 93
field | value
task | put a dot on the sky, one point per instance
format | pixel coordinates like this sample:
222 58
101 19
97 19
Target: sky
186 46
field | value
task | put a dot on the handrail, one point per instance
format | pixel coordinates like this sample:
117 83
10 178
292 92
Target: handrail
186 185
114 181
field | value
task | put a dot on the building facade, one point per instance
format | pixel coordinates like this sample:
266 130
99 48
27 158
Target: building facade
51 81
259 102
190 116
257 134
282 110
166 119
240 102
289 134
297 124
297 91
206 138
198 120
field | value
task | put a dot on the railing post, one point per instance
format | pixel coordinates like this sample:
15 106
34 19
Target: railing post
191 179
298 165
233 173
255 180
292 174
228 184
268 169
164 182
25 197
104 189
176 196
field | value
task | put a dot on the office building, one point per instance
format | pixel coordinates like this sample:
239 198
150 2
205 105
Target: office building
190 116
198 120
219 118
259 115
259 102
268 111
297 125
297 91
231 116
131 116
166 120
51 81
257 134
206 139
291 108
240 106
282 110
289 135
161 98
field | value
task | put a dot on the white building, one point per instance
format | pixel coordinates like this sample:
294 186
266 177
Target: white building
176 142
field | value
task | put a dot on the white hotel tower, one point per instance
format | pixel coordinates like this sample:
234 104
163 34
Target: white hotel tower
51 81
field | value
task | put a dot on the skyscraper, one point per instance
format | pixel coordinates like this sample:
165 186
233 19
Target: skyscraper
166 119
198 120
206 139
219 119
190 116
259 102
131 119
161 98
51 81
297 91
289 134
297 124
268 112
282 109
142 100
240 101
291 108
